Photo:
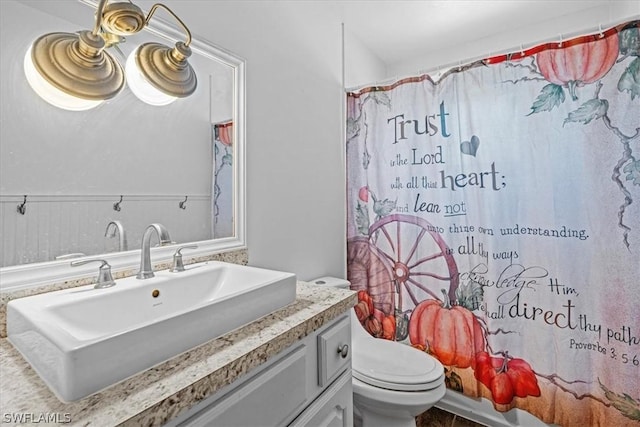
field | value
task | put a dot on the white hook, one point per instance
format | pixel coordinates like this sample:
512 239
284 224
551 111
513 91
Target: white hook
600 30
560 44
521 51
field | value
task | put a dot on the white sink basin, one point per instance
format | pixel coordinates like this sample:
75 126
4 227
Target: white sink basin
83 340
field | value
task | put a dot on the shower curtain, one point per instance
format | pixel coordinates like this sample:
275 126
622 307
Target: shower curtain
494 223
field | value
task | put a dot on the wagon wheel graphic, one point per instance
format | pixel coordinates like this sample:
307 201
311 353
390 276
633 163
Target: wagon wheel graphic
419 260
367 271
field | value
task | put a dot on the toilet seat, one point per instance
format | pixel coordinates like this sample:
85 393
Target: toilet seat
394 366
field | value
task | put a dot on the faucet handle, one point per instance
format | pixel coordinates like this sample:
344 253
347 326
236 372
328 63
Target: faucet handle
177 258
105 279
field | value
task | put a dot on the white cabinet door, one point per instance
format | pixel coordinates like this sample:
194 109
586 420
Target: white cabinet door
334 408
271 398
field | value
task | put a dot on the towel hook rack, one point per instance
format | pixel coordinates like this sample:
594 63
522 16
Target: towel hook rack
22 207
116 205
183 204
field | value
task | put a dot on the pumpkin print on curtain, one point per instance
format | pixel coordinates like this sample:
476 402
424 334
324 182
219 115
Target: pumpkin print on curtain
494 223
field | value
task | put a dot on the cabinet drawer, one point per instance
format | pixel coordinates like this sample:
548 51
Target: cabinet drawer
333 357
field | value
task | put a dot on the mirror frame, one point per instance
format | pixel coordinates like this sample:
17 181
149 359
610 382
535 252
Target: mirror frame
26 276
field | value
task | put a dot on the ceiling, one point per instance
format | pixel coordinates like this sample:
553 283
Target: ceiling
397 29
408 35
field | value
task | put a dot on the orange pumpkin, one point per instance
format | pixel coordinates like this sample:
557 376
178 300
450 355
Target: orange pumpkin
364 307
450 333
373 326
580 63
376 322
389 327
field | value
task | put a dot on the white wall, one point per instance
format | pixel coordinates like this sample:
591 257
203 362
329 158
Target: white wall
295 173
361 65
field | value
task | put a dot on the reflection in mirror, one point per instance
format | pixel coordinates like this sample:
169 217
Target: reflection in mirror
66 176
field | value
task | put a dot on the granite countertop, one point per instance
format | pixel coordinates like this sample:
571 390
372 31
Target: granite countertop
159 394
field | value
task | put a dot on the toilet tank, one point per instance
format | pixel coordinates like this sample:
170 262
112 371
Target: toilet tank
357 330
332 281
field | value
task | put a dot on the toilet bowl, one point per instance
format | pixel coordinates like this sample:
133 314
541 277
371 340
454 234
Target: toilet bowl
392 382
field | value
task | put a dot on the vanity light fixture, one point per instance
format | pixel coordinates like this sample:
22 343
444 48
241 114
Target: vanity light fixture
75 72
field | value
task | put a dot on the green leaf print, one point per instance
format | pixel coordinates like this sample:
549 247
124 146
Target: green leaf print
630 79
362 219
381 98
629 42
383 208
633 172
551 96
469 295
624 403
593 109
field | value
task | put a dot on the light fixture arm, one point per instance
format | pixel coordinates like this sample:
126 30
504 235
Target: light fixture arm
99 11
184 27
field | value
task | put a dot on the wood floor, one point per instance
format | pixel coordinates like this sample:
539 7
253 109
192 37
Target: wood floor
435 417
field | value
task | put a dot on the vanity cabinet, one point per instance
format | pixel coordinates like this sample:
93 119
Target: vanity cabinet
307 384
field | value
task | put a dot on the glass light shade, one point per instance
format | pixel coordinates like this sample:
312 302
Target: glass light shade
141 87
52 94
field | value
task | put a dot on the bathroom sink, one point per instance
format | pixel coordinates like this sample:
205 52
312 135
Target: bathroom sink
82 340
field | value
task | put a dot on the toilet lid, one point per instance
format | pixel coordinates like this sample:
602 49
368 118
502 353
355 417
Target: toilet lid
395 366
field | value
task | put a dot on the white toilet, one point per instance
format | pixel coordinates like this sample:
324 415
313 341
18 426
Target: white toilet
392 382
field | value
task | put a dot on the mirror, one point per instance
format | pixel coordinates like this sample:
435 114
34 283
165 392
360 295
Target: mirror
65 175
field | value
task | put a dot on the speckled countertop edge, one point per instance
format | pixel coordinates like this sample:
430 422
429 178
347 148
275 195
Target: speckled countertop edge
162 393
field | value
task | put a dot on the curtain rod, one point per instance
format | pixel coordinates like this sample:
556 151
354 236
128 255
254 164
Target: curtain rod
443 68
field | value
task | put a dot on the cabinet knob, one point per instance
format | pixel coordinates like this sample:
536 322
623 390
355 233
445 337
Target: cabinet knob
343 350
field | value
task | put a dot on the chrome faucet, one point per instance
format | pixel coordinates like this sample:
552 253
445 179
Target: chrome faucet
146 271
117 228
105 279
178 265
